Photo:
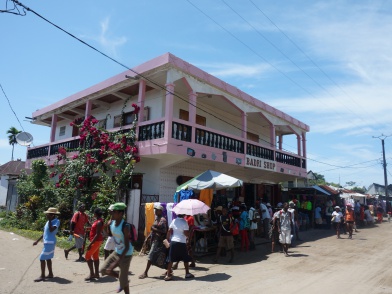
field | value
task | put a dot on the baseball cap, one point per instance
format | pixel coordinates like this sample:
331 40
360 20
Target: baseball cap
158 206
117 206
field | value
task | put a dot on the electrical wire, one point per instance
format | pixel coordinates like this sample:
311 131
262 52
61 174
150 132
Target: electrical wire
9 103
163 87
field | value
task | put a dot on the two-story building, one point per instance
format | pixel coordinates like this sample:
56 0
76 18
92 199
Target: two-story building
189 121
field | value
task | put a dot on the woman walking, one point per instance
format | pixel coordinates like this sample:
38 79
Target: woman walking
177 235
336 219
349 218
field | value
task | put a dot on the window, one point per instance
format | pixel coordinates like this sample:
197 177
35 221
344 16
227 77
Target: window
252 137
62 131
125 119
200 120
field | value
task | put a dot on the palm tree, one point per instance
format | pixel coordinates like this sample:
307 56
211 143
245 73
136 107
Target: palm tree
12 138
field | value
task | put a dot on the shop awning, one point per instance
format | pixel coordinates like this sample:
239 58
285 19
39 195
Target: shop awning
321 190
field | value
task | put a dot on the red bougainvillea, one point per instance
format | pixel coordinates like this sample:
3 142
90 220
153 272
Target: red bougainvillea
103 161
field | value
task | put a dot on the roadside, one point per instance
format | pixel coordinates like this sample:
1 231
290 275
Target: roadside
321 264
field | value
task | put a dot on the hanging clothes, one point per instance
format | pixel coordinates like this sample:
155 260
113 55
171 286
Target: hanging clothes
150 216
206 196
186 194
175 197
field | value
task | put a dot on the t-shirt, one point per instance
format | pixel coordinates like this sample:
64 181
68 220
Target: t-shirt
368 215
179 225
80 219
317 212
50 237
350 216
244 220
253 225
93 230
190 220
292 211
225 222
338 216
118 237
285 220
264 211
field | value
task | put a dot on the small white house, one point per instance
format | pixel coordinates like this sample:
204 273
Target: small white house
9 173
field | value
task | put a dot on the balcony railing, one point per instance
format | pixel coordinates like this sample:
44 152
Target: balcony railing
287 159
259 151
152 131
186 133
182 132
214 140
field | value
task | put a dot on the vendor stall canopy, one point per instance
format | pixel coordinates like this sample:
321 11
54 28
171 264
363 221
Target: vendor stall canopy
210 180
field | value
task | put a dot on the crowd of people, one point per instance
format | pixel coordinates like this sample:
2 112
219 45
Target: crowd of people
172 243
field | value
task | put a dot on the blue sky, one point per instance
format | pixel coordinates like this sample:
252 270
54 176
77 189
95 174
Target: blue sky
326 63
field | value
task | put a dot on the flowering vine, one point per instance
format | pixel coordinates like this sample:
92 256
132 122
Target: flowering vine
103 162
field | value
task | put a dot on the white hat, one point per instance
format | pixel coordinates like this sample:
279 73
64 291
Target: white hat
337 207
158 206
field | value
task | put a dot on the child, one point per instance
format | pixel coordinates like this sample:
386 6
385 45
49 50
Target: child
122 255
49 236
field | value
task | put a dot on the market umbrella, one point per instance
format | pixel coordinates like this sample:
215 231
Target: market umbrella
191 207
211 180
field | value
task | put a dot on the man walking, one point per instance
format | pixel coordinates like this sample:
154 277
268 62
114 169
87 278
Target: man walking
78 221
226 239
284 227
265 219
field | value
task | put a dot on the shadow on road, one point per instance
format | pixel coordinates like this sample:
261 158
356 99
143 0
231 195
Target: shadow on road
214 277
59 280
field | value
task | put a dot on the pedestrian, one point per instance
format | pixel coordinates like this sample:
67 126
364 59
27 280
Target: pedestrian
109 244
78 221
177 236
158 234
189 241
328 214
337 217
380 212
122 254
274 232
265 219
226 240
317 216
285 223
96 239
369 219
49 239
244 228
254 218
349 219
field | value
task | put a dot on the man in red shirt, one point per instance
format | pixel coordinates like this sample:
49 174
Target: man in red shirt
78 221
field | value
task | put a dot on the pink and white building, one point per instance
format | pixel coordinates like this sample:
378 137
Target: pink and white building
189 121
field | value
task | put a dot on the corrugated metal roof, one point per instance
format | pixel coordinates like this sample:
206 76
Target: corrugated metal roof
12 168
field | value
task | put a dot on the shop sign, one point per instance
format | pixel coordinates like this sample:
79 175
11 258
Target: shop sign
260 163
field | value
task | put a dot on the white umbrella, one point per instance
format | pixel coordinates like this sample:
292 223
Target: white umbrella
211 180
191 207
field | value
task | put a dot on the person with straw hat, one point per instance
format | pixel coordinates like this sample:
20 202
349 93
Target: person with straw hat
49 238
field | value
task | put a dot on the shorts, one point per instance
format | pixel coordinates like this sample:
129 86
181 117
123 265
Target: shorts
93 253
226 241
109 245
179 252
79 241
123 266
285 237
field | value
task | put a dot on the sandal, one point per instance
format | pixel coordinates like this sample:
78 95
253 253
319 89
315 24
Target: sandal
143 276
89 278
189 276
49 277
39 279
168 278
119 289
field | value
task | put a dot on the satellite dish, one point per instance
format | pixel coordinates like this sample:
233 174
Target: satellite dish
24 138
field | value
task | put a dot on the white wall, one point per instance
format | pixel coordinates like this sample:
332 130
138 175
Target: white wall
3 190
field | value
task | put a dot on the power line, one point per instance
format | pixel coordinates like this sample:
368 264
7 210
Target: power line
163 87
9 103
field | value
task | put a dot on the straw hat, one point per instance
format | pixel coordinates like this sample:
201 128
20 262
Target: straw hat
52 210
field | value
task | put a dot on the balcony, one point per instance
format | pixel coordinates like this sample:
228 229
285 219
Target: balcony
197 135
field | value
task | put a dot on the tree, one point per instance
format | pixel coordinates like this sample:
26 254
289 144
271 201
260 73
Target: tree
101 170
12 138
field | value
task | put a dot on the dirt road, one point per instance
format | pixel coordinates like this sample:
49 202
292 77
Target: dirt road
320 264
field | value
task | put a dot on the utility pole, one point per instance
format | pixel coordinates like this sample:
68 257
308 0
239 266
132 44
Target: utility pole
382 138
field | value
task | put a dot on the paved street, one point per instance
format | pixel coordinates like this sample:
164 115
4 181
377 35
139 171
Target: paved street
320 264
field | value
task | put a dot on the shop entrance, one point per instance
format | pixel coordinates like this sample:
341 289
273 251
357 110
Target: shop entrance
250 195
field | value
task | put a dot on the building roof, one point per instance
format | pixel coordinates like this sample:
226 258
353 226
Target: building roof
13 168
